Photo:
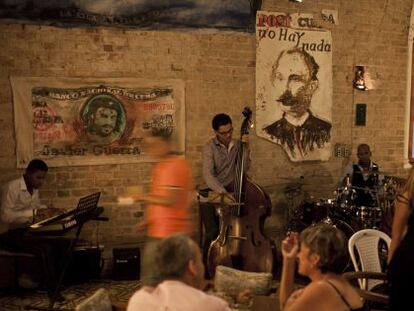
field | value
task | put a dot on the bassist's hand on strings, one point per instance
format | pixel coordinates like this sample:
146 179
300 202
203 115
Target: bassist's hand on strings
228 198
223 198
245 138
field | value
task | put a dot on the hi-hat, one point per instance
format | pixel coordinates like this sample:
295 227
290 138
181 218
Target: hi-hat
365 189
357 188
399 180
295 180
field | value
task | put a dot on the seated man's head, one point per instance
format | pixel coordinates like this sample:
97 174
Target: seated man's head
179 258
35 174
364 154
103 116
223 128
294 80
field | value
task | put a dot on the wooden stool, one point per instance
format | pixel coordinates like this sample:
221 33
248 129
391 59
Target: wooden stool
14 258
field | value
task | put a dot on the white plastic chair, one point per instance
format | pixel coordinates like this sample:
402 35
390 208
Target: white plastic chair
364 250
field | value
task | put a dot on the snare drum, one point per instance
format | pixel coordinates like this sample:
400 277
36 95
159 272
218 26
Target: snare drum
363 213
376 214
368 216
345 198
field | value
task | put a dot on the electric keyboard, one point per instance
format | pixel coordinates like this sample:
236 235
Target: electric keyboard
61 223
86 210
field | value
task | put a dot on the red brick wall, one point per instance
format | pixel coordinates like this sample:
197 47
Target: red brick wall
218 69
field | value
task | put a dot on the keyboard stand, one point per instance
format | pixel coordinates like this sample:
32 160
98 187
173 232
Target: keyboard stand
90 212
68 258
56 291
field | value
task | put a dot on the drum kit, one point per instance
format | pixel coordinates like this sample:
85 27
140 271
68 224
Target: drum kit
342 210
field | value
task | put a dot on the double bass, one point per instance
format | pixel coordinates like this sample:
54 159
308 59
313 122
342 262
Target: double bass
241 243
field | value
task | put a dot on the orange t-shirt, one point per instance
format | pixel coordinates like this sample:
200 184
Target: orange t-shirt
164 220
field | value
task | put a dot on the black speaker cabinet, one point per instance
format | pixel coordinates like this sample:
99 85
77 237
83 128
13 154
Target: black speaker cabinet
86 264
126 264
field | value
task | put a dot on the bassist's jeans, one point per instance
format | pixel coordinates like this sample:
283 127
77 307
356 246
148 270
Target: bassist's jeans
210 222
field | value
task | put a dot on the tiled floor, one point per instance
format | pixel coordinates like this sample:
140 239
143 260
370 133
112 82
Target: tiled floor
120 291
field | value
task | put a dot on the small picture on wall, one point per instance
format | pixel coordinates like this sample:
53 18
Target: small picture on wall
363 79
359 80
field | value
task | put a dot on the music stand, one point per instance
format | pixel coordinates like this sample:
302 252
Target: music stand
86 206
86 209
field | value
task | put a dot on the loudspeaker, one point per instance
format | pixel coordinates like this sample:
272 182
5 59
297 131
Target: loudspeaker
86 264
126 263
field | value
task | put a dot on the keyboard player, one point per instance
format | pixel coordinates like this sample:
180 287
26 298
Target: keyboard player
19 202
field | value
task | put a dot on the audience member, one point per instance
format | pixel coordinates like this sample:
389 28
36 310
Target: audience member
321 252
401 253
182 271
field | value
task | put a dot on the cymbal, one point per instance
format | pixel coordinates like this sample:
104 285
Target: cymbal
384 173
295 184
291 178
397 179
371 173
295 181
365 189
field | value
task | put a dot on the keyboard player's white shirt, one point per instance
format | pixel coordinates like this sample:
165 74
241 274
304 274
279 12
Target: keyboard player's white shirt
17 205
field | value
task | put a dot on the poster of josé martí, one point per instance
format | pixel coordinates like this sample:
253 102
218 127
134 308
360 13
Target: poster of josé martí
294 84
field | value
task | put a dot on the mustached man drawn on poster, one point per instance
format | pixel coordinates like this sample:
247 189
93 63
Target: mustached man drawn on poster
77 122
294 85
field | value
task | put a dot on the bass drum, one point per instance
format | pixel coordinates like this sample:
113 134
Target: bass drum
333 221
309 213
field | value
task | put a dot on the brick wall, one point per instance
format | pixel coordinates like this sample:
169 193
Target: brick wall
218 69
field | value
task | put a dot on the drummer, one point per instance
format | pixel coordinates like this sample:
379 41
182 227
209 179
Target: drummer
364 177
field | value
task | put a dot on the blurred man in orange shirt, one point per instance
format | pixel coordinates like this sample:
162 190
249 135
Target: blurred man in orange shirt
168 203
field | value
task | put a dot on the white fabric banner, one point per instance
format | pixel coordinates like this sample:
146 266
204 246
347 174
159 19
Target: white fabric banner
294 84
89 121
